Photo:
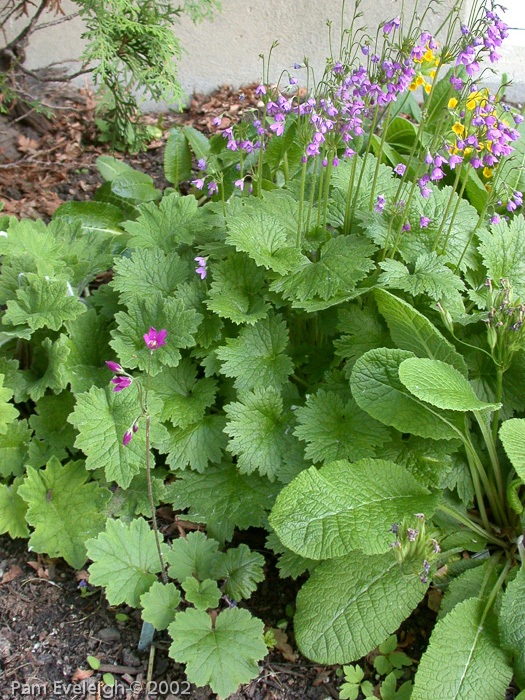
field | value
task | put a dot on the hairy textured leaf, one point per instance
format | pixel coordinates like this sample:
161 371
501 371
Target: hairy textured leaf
362 330
99 217
125 560
202 594
469 584
476 665
44 303
101 418
47 370
441 385
193 555
257 356
149 272
377 390
165 226
265 238
8 413
197 444
53 435
503 253
160 604
241 569
88 351
13 510
110 167
236 292
343 262
512 624
342 507
257 429
223 656
410 330
512 435
63 509
430 276
335 430
350 605
185 398
289 563
14 444
128 341
224 498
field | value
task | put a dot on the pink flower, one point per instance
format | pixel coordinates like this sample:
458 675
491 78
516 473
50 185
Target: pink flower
201 270
127 437
114 366
424 222
120 383
155 340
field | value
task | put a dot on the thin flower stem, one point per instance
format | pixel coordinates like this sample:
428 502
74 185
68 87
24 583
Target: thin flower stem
447 209
454 213
312 193
327 188
379 155
363 164
491 447
148 475
499 394
499 583
346 225
301 200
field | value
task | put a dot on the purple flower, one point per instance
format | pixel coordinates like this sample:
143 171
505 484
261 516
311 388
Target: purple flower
260 90
297 66
518 118
390 25
201 269
199 183
155 340
406 227
424 221
494 219
365 49
212 188
293 81
456 82
239 184
120 383
454 160
437 174
217 121
472 68
380 204
127 437
465 30
425 192
114 366
400 169
201 164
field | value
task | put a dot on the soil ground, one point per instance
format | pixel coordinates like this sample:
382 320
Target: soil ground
48 628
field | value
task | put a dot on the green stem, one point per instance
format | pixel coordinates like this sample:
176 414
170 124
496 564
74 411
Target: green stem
348 207
379 155
458 202
464 520
301 199
363 164
491 447
447 209
312 193
495 505
327 188
477 485
492 597
499 394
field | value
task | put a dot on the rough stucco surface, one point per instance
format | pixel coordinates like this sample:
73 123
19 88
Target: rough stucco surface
227 49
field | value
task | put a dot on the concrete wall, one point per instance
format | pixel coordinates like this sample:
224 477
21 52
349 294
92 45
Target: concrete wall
227 49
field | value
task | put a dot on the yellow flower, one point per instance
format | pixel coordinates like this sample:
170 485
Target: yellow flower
412 86
471 104
487 172
467 151
427 88
432 74
452 103
481 146
429 56
458 128
487 187
420 80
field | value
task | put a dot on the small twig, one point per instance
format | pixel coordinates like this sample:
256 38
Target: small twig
151 664
119 670
40 580
54 22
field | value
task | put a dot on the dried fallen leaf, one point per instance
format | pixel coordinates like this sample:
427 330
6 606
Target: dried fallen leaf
282 645
81 674
14 572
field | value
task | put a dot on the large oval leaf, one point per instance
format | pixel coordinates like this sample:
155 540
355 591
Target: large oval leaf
330 512
350 605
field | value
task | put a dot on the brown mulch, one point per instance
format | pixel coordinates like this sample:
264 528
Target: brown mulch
44 163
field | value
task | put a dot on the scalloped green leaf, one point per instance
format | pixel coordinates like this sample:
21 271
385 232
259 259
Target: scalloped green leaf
202 594
241 570
125 560
13 510
165 226
193 555
160 604
64 509
224 655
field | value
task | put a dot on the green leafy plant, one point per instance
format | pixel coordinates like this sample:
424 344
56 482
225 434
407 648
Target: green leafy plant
314 343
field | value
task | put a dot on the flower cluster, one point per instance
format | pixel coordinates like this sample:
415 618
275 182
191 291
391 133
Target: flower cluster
414 545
